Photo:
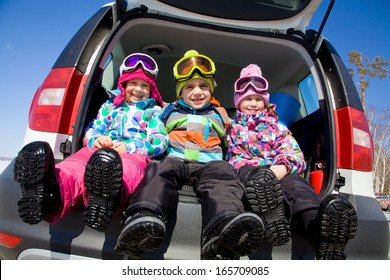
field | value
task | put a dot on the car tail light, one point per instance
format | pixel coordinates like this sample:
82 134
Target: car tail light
9 241
355 149
52 108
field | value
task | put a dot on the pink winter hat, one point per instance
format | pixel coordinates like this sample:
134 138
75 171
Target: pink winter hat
251 71
138 73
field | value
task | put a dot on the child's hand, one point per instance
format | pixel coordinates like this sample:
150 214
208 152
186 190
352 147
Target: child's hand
279 170
106 142
103 142
120 147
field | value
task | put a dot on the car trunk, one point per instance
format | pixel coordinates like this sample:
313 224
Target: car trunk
289 61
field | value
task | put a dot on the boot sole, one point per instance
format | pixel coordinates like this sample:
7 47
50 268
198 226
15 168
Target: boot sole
240 237
265 197
103 181
338 226
33 165
144 234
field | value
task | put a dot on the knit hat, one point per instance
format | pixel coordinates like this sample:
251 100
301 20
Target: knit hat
252 70
138 73
196 74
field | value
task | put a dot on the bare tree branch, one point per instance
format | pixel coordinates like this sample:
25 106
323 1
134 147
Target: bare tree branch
366 70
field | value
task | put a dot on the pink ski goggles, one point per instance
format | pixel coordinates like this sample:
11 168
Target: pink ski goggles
259 84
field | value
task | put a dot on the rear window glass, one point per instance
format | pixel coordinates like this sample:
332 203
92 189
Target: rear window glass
252 10
309 94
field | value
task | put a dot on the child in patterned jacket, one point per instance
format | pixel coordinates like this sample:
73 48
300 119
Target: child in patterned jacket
196 125
126 134
269 162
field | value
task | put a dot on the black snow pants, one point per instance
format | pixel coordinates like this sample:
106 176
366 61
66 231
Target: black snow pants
216 183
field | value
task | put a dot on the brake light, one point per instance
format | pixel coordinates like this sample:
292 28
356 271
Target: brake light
9 241
355 149
54 102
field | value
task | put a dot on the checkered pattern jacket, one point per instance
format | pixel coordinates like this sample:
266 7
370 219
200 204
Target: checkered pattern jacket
195 135
259 140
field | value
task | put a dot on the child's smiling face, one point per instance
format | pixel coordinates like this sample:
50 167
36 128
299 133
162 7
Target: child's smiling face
196 93
137 90
252 104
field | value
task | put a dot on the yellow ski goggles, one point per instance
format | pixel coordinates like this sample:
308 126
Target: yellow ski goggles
186 66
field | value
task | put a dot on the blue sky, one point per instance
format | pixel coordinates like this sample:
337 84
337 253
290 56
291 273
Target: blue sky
33 34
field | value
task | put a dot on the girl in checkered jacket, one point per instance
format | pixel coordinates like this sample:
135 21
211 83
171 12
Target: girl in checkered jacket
269 162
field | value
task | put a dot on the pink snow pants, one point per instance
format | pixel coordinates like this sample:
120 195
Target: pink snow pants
70 176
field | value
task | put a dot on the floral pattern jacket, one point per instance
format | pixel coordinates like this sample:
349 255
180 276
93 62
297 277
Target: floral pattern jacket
138 125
